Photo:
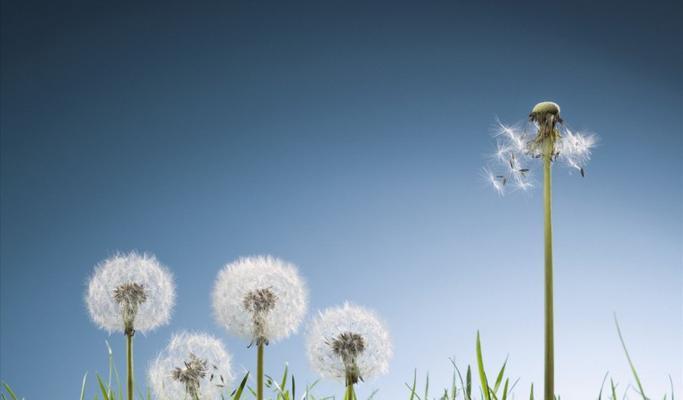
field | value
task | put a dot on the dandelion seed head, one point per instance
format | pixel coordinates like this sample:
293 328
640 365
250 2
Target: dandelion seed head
348 342
193 365
260 298
129 292
517 154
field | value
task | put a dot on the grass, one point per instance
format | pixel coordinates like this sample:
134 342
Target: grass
461 387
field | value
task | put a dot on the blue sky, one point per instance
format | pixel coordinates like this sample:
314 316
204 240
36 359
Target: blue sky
346 138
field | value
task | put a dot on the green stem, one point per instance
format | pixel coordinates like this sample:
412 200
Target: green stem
549 387
259 371
349 395
129 363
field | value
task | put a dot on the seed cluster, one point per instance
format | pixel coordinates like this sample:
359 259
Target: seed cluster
349 346
129 296
259 303
195 369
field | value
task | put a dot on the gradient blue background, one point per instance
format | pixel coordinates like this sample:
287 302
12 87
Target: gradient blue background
348 139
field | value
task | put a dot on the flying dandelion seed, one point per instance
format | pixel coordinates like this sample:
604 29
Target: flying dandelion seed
130 292
194 366
348 343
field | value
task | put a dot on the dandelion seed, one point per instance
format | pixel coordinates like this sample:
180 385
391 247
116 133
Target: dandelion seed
348 343
497 181
180 371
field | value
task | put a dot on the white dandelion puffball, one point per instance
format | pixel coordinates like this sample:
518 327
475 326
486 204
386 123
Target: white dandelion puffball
193 366
348 343
260 298
129 292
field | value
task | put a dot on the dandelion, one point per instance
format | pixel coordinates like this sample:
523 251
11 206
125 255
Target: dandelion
261 299
516 150
194 366
130 292
348 343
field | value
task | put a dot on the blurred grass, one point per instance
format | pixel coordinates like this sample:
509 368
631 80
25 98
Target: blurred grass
459 388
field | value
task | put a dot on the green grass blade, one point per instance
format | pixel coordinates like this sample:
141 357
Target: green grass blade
469 383
240 389
284 378
412 389
85 377
103 388
602 386
482 373
427 388
531 394
9 391
628 357
499 378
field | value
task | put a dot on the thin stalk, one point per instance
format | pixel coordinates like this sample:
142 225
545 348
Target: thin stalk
349 392
549 387
129 363
259 370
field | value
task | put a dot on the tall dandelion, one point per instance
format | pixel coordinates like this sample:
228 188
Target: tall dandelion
194 366
349 344
128 293
261 299
552 141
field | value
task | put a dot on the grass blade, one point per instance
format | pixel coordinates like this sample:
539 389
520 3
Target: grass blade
482 373
9 391
85 377
103 388
628 357
499 379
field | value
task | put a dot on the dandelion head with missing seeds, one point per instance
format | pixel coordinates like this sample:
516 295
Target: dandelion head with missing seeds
348 343
130 292
194 366
518 146
261 299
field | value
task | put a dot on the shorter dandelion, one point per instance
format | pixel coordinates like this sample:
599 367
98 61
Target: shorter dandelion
130 292
349 344
262 299
194 366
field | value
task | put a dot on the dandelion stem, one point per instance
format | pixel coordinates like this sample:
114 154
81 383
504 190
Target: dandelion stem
549 387
259 370
129 363
349 395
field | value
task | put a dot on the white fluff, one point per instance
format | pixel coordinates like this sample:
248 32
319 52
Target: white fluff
516 158
329 324
177 353
248 274
143 269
